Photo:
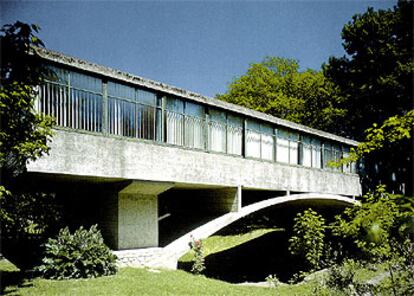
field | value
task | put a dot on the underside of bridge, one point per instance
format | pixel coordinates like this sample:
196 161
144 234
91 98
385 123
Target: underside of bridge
144 215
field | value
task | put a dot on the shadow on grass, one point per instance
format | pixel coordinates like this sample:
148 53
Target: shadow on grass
11 281
252 261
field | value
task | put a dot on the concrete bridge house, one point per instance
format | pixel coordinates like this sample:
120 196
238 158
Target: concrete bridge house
152 163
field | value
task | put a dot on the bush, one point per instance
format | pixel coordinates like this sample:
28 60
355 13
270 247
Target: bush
27 220
308 238
199 261
79 255
372 226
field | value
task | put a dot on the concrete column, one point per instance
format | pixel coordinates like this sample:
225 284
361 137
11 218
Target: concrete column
220 200
136 224
138 220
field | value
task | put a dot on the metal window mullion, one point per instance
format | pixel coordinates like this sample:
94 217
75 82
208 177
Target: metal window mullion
244 138
71 101
163 121
206 131
274 145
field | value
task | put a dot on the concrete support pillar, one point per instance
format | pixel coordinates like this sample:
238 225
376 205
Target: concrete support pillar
136 222
220 200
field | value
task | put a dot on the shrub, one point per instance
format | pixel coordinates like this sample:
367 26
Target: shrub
372 225
273 280
79 255
27 220
199 264
342 280
308 238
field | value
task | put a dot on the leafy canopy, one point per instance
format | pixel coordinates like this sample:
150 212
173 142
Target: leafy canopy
375 77
277 87
23 132
25 216
308 238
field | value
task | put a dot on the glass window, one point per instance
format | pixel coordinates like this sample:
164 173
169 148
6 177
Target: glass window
194 109
121 91
234 134
58 75
253 139
337 155
293 148
282 146
346 168
175 105
175 121
327 155
127 116
194 125
267 141
85 82
146 97
217 130
306 151
78 107
316 153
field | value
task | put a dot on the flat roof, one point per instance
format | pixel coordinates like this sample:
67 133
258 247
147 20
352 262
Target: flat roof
76 63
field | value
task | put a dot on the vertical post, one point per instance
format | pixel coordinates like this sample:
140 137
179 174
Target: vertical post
275 144
322 155
72 103
244 139
163 119
206 130
105 107
184 118
226 136
289 148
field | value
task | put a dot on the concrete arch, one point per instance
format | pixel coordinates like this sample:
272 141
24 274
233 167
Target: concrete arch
177 248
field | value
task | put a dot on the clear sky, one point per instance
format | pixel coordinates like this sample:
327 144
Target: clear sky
200 45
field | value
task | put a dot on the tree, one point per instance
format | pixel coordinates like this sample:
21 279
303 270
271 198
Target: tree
24 134
375 80
392 137
276 87
308 237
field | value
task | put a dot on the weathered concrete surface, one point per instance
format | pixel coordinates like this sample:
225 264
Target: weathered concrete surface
83 154
134 219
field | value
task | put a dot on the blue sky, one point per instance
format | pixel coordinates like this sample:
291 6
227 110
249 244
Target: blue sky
200 45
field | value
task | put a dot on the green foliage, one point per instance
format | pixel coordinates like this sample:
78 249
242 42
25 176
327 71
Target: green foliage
273 280
199 260
397 279
392 131
375 76
401 270
375 81
82 254
23 132
342 280
24 135
308 238
373 224
276 87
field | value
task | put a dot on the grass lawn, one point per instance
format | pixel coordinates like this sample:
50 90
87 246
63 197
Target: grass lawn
218 243
131 281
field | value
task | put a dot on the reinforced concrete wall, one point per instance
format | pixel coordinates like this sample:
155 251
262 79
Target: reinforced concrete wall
132 216
85 154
